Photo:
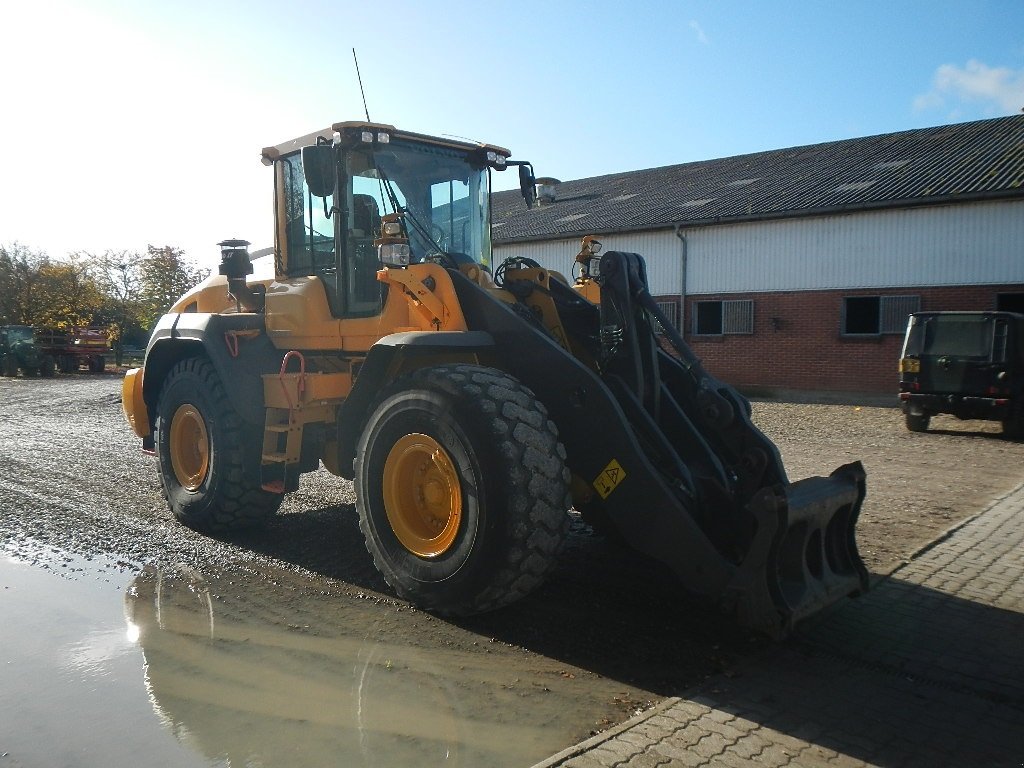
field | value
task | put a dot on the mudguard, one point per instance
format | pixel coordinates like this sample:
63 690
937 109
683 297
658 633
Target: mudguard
236 344
384 362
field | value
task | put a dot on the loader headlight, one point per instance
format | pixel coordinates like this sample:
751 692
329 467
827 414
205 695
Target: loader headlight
392 228
393 254
588 256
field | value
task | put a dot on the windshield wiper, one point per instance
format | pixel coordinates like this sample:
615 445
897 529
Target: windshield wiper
408 216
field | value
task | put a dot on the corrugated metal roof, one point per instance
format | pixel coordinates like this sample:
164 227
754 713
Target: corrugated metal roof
979 160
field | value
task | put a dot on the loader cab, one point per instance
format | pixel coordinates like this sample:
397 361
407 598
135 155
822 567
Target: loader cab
332 194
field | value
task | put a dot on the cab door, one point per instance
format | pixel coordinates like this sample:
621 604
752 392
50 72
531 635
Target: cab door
307 240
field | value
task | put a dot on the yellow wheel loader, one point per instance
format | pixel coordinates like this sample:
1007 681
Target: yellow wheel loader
472 407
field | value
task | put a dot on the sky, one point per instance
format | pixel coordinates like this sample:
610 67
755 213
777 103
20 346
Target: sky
130 122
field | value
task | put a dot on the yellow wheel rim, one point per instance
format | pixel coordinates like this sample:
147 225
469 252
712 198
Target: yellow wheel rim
190 447
422 495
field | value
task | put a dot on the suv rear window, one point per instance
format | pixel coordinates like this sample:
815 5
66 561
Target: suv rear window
962 336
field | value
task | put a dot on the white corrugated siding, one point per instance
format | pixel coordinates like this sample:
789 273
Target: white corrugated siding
968 244
661 250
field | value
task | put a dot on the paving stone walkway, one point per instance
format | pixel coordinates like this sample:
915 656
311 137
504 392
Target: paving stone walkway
927 669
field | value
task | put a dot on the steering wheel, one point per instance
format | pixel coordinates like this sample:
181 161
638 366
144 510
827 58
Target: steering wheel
438 235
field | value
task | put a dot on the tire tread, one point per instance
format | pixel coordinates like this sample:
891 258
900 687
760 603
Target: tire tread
537 487
241 503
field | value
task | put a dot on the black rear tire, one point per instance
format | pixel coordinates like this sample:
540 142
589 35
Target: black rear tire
918 423
507 480
1013 427
219 489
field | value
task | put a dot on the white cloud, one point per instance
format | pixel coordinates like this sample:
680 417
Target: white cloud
702 37
999 89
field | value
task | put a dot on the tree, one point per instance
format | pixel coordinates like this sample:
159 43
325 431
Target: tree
19 275
166 274
119 276
123 290
66 295
36 290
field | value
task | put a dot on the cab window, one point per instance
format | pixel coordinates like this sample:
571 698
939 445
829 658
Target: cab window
309 233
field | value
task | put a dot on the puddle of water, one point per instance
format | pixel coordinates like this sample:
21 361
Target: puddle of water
266 669
70 678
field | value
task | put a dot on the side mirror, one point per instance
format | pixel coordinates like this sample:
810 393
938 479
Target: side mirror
527 184
319 169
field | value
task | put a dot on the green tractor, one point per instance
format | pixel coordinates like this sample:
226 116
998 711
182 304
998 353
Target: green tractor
19 351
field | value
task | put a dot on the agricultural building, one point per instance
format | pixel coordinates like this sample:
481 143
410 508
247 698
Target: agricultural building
795 269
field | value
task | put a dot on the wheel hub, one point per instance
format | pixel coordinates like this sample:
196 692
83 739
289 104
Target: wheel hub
189 447
422 495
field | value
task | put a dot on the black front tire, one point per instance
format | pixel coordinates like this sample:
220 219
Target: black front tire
225 494
918 422
512 488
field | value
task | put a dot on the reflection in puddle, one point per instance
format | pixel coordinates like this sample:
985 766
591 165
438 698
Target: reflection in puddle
261 671
92 656
70 692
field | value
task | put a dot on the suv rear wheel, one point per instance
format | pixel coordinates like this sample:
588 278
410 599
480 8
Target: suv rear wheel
918 422
1013 427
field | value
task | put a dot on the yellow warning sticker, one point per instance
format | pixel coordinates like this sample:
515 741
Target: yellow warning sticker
609 479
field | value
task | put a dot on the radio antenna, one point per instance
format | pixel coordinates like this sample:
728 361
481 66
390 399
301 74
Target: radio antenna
360 78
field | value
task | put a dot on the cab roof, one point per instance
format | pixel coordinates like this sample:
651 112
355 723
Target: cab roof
270 154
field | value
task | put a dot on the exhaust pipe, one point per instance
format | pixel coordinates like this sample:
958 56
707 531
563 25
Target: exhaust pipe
236 265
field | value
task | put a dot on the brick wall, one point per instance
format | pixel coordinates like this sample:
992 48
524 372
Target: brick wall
802 348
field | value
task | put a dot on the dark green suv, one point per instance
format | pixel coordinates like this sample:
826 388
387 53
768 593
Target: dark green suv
968 364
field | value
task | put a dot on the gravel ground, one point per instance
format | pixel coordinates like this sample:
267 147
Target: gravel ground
919 484
72 477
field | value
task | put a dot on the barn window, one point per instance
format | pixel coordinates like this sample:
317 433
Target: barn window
670 310
714 318
1010 302
875 315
